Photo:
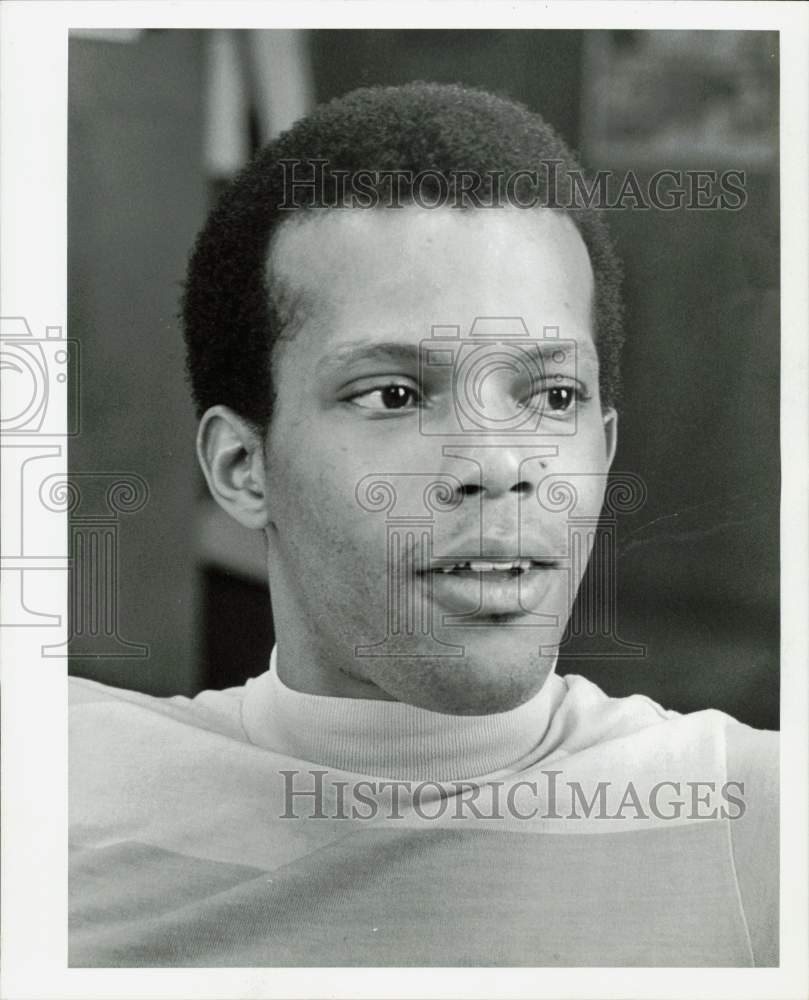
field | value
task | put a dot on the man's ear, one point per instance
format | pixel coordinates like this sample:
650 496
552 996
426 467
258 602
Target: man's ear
610 418
231 454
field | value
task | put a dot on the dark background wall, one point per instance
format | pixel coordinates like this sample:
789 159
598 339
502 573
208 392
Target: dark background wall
697 571
137 193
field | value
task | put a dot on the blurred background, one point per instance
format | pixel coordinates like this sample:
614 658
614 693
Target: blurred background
159 120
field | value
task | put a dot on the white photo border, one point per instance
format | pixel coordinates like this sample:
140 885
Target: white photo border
33 284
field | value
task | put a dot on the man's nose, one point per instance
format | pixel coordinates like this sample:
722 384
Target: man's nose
498 469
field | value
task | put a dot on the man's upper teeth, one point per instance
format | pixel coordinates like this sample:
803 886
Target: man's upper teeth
488 566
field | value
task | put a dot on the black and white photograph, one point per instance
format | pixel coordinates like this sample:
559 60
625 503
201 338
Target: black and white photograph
405 515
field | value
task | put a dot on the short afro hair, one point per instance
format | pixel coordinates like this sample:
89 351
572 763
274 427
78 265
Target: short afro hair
233 315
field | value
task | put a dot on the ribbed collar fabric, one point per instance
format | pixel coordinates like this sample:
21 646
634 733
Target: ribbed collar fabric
388 739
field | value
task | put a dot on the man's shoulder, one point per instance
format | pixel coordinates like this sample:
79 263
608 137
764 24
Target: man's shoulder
588 698
753 759
588 717
215 711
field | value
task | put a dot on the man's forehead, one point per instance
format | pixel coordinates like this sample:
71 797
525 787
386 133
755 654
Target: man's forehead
313 233
498 261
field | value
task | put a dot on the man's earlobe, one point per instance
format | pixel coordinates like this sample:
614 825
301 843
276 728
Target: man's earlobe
610 418
231 455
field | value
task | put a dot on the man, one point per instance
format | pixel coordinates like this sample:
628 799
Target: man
403 345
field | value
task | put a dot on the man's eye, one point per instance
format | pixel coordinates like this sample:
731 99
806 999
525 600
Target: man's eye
561 397
390 397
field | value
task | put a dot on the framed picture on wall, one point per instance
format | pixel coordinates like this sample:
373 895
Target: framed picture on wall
653 97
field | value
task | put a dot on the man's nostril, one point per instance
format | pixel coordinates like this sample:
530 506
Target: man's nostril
522 488
470 489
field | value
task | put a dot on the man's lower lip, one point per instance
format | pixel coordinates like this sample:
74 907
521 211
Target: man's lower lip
491 594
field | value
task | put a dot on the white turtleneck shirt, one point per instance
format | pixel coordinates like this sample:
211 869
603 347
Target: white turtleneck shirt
260 826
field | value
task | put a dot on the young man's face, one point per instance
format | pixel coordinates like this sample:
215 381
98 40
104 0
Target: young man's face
365 396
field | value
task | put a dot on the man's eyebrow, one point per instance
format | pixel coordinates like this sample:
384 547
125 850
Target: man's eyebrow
545 351
548 348
369 350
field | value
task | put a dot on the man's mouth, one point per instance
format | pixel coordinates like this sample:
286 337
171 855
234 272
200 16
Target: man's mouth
509 567
492 588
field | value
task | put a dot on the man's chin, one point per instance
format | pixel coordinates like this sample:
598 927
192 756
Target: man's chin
469 684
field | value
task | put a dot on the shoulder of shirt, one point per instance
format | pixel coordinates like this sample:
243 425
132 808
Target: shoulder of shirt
217 711
751 758
753 765
589 710
589 694
586 716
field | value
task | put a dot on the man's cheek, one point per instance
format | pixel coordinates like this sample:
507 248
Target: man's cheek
350 540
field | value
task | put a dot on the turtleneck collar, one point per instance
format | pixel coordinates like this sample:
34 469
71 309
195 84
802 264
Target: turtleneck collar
389 739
